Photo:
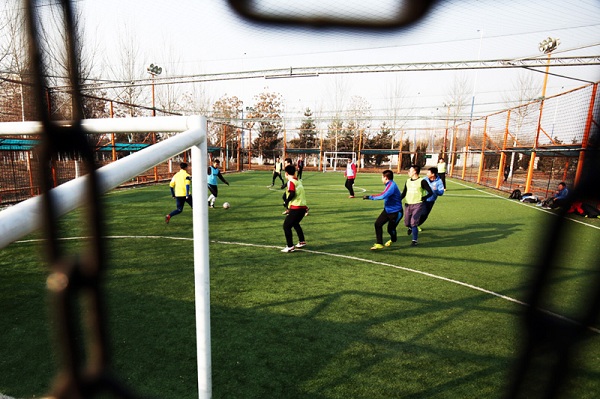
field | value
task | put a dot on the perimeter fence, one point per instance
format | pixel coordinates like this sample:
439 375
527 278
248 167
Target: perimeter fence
531 147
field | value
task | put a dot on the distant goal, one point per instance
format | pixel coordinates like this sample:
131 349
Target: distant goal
334 160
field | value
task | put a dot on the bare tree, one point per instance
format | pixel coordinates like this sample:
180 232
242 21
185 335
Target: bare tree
55 53
267 111
398 109
457 100
169 95
525 90
359 118
225 110
16 99
196 100
127 67
339 93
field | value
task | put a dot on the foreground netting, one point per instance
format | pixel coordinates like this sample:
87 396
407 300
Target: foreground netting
65 282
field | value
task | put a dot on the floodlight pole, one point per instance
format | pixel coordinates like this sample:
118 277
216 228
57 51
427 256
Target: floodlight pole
446 132
154 70
547 46
250 109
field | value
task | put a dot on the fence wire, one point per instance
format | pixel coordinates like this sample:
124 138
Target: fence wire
75 280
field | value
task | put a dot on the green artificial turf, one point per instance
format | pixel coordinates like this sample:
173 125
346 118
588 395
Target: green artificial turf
334 320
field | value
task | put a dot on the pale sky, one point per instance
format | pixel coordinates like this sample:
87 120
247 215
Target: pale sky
209 38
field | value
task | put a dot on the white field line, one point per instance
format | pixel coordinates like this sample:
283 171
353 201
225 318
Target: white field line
406 269
336 188
537 208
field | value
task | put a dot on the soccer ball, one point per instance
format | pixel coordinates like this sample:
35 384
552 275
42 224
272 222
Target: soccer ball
226 205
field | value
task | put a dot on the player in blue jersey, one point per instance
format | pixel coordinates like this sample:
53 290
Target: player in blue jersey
437 186
392 210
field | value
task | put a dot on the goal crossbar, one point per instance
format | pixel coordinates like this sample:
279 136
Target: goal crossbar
334 156
24 218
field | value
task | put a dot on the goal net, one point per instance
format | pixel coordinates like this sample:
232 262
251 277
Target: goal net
334 160
24 218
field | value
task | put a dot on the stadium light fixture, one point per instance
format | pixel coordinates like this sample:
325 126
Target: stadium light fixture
154 70
549 45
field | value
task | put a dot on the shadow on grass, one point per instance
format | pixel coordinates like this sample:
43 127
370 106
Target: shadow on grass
467 235
261 352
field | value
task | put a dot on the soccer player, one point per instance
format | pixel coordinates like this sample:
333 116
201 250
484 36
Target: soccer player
286 163
295 202
416 191
442 171
437 187
392 210
277 169
213 173
300 167
350 175
180 190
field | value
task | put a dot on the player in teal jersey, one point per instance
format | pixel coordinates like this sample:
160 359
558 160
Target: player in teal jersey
213 173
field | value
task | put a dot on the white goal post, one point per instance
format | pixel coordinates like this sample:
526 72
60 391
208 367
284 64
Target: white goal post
333 158
25 217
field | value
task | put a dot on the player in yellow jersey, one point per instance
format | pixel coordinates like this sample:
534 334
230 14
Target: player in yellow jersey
415 193
295 202
180 190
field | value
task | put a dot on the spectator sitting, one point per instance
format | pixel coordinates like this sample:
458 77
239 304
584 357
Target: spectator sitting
560 197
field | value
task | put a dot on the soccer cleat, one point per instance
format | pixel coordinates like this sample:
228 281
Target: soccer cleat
301 244
167 219
413 244
388 244
288 249
351 196
376 247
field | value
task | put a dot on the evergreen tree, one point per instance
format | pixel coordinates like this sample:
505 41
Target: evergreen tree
307 135
382 141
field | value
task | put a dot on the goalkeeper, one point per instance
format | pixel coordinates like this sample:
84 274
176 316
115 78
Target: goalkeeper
392 210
